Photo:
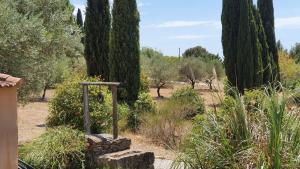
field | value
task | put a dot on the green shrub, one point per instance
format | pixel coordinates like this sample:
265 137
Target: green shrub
67 106
58 148
192 104
144 105
123 112
145 83
236 138
227 105
254 100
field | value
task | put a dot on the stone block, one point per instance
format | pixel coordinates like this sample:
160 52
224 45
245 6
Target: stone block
99 144
127 160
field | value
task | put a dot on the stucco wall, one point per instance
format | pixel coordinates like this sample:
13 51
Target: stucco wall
8 128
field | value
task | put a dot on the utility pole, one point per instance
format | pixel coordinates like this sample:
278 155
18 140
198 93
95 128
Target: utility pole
179 54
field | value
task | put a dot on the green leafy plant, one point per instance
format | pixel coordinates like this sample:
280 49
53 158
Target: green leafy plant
145 83
254 100
235 137
67 106
32 38
144 105
58 148
192 104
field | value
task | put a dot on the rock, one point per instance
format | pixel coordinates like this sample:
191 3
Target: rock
99 144
127 160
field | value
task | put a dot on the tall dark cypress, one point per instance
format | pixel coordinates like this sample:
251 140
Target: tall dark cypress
97 31
256 49
266 59
245 58
79 19
266 9
125 49
230 31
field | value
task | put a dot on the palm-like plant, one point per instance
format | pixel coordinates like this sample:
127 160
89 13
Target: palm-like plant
239 137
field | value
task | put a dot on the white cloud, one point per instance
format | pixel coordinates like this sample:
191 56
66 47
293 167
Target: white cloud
178 24
288 23
192 37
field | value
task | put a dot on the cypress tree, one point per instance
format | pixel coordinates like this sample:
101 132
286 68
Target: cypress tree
97 32
79 18
230 31
266 59
125 49
267 15
245 59
256 48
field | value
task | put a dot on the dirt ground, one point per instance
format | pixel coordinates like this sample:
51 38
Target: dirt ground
211 98
32 119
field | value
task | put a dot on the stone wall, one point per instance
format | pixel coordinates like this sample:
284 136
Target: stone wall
104 151
101 144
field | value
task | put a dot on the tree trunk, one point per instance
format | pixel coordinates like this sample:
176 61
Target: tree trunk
158 92
193 84
210 85
44 92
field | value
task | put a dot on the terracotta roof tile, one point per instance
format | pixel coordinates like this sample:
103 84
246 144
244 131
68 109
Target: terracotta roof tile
9 81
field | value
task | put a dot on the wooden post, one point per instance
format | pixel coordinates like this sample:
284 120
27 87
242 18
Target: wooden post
87 118
115 111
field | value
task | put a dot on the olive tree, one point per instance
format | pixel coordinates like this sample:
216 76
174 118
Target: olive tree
159 70
32 36
193 70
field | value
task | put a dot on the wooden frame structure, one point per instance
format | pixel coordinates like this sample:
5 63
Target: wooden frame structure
87 119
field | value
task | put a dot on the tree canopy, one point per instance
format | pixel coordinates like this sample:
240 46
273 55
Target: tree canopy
125 49
97 34
200 52
250 58
31 37
266 10
159 70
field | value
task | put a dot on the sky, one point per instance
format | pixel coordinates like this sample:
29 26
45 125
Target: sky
167 25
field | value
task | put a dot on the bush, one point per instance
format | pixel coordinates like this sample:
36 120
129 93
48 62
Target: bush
123 111
167 126
237 139
254 100
58 148
144 105
289 70
67 106
145 83
170 124
189 100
